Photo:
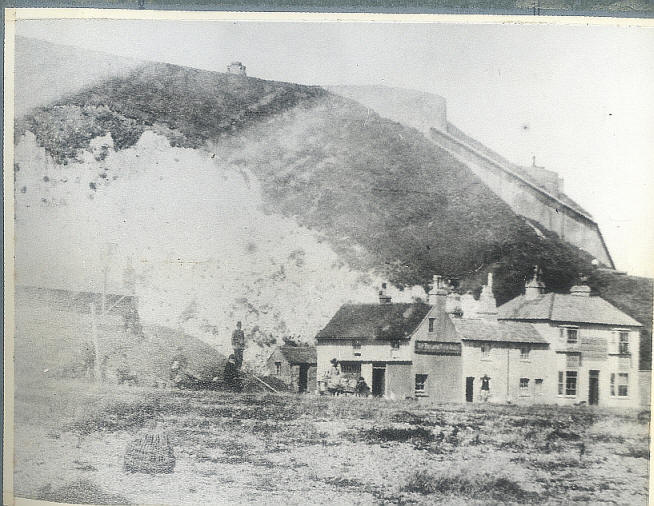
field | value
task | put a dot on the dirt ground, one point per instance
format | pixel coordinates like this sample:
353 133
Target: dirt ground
70 442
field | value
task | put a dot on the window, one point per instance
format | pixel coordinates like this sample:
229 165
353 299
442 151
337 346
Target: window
431 324
622 384
624 343
571 336
421 382
485 351
573 360
524 353
395 345
524 386
353 368
538 386
568 383
278 368
356 348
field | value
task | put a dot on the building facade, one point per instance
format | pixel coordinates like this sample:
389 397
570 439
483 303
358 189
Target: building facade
538 348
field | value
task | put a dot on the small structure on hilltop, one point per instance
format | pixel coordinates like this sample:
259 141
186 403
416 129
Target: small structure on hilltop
237 68
294 365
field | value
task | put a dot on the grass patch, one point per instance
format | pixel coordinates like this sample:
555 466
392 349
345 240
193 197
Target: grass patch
116 415
480 487
80 492
415 419
401 435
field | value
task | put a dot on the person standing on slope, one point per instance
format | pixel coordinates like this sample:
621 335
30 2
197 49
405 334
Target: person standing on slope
238 343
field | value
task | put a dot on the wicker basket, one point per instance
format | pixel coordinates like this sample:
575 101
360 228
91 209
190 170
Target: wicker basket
150 452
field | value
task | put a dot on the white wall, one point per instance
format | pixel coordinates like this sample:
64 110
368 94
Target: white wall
605 363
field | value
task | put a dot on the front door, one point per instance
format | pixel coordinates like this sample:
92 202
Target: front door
303 380
470 383
378 379
593 388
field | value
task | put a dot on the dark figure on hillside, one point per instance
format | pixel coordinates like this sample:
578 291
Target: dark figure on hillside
238 343
124 374
178 366
232 375
485 388
133 322
103 368
88 360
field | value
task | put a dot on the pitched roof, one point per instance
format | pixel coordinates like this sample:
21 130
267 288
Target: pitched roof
299 354
374 321
565 308
489 330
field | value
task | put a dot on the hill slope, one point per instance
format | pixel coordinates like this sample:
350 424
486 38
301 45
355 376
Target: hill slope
378 190
274 203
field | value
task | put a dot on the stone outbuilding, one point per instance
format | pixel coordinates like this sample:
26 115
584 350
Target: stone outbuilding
295 366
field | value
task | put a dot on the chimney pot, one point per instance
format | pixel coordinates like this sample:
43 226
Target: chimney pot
383 297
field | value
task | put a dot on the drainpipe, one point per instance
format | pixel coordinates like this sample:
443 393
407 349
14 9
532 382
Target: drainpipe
508 349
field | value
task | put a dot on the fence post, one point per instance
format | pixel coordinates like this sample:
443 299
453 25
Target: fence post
94 332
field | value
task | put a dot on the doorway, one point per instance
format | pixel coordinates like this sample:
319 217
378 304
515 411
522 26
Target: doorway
304 378
378 379
470 384
593 388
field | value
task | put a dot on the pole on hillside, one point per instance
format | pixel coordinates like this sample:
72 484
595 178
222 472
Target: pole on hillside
266 384
96 347
104 289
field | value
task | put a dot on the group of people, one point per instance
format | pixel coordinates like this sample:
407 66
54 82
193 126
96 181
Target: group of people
339 383
232 376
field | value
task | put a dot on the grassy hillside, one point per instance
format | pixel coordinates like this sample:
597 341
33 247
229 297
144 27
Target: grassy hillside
53 336
633 295
190 106
380 193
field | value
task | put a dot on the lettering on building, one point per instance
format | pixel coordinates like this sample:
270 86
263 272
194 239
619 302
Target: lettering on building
436 348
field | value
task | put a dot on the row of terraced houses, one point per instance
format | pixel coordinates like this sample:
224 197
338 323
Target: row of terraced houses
540 347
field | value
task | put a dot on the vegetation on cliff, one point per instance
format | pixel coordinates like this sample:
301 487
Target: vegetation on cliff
384 197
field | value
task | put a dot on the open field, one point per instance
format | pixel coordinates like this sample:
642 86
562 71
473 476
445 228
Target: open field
261 448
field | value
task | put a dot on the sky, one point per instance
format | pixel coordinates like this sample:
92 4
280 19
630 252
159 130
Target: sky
579 98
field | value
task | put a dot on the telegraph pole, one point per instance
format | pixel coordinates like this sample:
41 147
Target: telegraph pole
96 345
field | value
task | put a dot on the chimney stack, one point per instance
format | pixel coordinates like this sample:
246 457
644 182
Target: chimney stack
383 297
487 304
580 291
534 287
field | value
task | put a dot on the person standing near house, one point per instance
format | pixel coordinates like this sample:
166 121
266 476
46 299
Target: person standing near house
485 388
334 377
238 343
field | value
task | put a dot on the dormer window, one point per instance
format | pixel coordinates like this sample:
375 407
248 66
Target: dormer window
569 335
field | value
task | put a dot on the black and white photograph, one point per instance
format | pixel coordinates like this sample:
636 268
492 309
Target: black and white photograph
314 259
